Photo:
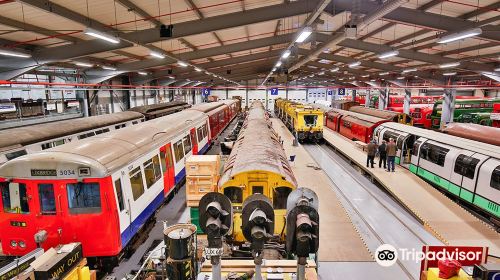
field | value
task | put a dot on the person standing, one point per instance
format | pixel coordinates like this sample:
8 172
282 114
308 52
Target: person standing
382 154
371 151
391 155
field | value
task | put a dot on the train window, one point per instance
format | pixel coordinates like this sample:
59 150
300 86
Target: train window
163 162
234 194
46 146
152 171
118 126
84 198
47 199
466 166
14 198
415 148
390 134
495 178
119 194
187 144
280 196
178 151
199 131
205 131
433 153
136 182
135 122
258 189
15 154
310 120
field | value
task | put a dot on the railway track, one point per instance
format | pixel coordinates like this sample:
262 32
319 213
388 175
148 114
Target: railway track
377 216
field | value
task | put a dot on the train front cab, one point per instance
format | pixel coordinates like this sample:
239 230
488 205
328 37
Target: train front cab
68 210
270 184
308 124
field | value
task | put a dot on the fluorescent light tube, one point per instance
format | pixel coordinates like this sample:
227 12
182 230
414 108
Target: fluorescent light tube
460 35
286 54
496 70
449 73
102 35
108 68
14 53
306 32
383 73
274 69
197 69
372 80
182 63
83 64
354 64
334 69
409 70
142 73
400 78
388 54
365 76
449 65
157 54
278 64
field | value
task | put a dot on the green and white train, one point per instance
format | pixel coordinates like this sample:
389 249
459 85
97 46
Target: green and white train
468 169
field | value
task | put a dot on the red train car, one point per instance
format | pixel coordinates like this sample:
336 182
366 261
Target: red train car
495 115
354 126
420 113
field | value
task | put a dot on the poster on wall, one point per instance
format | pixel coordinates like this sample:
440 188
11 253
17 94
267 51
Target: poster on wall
51 106
55 94
7 107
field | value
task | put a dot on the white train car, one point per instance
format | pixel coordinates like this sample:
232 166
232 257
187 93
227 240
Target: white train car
468 169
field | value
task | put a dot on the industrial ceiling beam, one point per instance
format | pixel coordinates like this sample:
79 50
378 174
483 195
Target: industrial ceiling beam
146 36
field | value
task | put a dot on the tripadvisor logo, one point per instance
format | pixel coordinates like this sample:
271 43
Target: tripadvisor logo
387 255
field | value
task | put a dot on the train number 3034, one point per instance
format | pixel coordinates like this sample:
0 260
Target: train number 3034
67 172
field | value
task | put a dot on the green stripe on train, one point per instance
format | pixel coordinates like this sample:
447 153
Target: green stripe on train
413 168
487 205
466 195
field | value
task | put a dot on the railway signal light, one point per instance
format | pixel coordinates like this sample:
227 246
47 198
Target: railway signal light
302 229
216 217
257 217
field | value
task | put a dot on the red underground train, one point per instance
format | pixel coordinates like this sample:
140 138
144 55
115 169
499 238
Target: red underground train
355 126
107 186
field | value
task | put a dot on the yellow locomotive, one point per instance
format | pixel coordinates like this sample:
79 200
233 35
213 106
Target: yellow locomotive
257 164
304 121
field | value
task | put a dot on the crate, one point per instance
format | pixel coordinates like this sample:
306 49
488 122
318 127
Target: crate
198 186
203 165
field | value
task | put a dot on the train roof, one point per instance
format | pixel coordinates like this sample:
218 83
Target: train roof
481 133
146 109
104 153
257 148
384 114
354 115
207 107
26 135
471 145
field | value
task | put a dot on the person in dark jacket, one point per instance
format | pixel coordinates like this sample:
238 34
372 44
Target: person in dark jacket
391 154
371 151
382 154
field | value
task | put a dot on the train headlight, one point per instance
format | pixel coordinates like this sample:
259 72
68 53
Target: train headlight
13 243
22 244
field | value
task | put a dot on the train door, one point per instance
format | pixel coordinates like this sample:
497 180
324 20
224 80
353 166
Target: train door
405 144
194 141
48 195
167 164
123 196
465 171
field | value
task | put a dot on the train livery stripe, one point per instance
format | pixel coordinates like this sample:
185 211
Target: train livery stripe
179 177
464 194
138 222
204 149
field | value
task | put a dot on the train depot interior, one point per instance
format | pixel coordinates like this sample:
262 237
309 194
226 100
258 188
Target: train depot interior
249 139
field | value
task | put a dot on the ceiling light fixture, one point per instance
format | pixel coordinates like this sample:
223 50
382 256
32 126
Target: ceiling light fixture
449 65
365 76
400 78
102 35
83 64
108 68
8 52
182 63
334 69
354 64
306 32
460 35
142 73
383 73
497 69
197 69
286 54
157 55
409 70
388 54
278 64
449 73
